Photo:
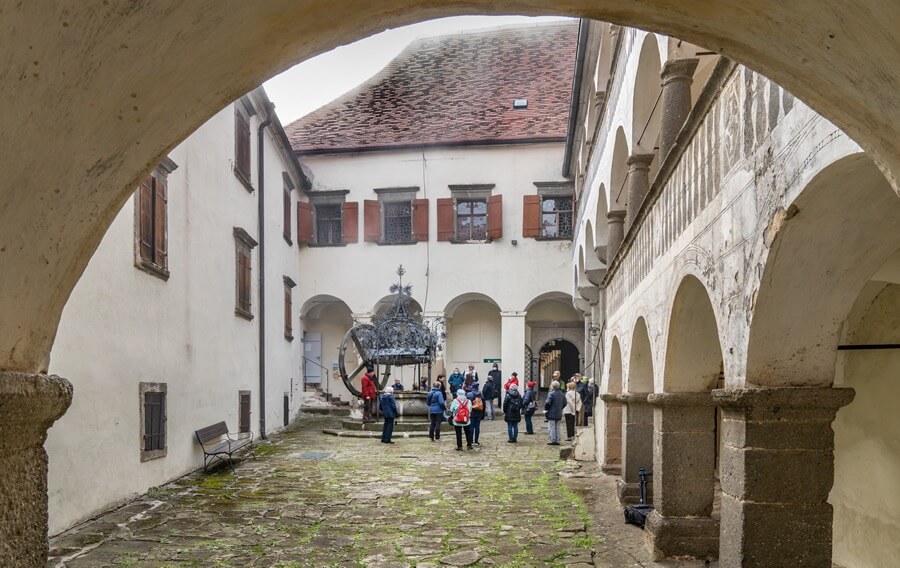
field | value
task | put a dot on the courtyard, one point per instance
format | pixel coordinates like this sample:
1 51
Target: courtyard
308 499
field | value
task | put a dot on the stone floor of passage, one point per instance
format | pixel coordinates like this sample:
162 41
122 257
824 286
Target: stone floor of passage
312 500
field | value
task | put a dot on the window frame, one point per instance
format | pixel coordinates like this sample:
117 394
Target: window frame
243 144
389 197
558 213
471 192
327 198
289 286
472 215
337 220
149 265
145 388
556 190
243 248
287 209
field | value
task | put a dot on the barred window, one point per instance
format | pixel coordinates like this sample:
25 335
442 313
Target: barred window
398 222
328 224
557 217
471 219
153 420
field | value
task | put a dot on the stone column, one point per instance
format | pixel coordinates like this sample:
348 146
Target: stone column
512 346
638 184
29 405
612 421
615 234
677 76
777 469
637 445
684 458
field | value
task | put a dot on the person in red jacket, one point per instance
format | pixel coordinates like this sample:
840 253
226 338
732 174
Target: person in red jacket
368 393
513 380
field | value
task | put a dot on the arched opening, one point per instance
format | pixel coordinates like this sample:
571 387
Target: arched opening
637 415
618 168
325 320
601 226
557 355
612 423
551 317
645 103
473 334
826 245
686 432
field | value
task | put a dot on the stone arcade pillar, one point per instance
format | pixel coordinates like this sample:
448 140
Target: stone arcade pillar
777 469
638 184
677 76
637 445
512 346
615 234
29 405
612 417
684 458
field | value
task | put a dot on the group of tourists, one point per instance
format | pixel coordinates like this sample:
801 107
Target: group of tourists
467 404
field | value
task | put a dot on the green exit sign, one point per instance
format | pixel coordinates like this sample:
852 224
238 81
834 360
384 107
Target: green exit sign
492 360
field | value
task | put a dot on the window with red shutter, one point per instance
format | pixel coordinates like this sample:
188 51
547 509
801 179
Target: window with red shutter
351 222
531 216
244 244
495 217
445 219
420 220
304 223
372 220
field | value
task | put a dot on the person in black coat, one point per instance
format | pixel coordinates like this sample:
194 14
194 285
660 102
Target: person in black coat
390 412
512 413
553 408
489 393
495 376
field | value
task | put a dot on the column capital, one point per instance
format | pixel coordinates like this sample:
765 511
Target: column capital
634 397
823 398
678 70
683 399
639 161
513 314
29 405
611 397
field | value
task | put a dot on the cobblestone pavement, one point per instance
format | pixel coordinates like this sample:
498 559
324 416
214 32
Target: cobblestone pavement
309 499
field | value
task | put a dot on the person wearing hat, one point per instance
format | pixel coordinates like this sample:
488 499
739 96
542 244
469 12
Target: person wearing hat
390 412
368 393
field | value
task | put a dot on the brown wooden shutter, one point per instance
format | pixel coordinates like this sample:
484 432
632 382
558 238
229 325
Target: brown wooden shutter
372 220
350 222
244 413
145 219
495 216
286 213
304 223
446 220
288 327
531 216
160 248
242 144
420 220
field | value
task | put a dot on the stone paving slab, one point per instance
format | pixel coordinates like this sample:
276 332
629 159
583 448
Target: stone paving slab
312 500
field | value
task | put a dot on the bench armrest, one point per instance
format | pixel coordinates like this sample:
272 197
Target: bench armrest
234 436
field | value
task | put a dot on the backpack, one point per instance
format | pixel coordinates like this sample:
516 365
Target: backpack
462 414
477 403
515 404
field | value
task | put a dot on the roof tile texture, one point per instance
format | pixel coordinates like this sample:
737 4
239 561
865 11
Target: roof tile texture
454 89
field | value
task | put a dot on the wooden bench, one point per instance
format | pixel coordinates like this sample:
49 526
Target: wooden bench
218 443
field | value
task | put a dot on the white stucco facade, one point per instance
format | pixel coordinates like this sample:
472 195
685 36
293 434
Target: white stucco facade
125 326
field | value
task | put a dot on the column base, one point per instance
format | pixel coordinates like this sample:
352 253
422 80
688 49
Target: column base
682 537
29 404
611 468
630 493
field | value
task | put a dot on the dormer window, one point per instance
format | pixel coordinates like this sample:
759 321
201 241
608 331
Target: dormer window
520 104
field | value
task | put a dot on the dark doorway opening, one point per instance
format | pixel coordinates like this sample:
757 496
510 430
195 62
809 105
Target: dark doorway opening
558 355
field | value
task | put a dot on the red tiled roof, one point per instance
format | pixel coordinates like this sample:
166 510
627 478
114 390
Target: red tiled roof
454 89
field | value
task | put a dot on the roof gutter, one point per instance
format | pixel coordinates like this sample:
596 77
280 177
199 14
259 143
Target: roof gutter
575 105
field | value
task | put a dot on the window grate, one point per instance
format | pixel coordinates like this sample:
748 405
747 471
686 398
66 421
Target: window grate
398 222
154 421
328 224
557 217
471 219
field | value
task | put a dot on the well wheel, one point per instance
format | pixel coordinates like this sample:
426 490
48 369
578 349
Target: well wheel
354 356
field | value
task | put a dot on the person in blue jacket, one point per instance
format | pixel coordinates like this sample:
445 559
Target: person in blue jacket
436 407
390 412
456 380
553 408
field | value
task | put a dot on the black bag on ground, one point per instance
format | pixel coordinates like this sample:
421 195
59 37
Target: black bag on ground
637 514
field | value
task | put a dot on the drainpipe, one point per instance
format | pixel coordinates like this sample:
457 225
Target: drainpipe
261 224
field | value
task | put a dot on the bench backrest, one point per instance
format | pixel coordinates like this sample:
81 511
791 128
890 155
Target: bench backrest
210 433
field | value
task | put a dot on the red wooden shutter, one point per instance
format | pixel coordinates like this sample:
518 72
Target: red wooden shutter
420 220
445 219
145 218
304 223
495 216
160 249
350 222
372 220
531 216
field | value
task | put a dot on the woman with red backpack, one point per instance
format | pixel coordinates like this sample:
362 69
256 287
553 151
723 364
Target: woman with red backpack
461 418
